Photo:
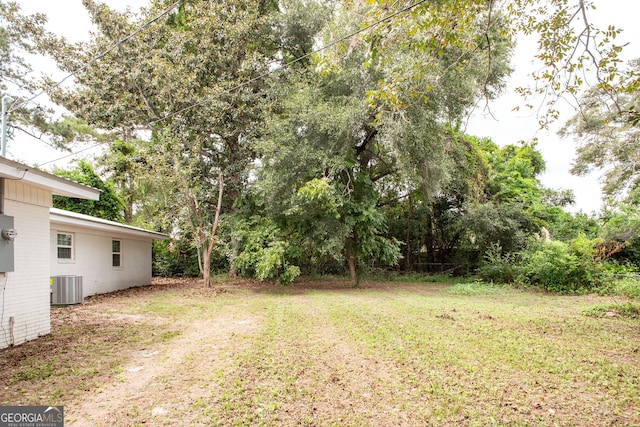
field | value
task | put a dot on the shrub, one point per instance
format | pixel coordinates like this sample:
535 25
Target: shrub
627 287
498 266
271 264
618 279
566 268
179 258
264 254
558 267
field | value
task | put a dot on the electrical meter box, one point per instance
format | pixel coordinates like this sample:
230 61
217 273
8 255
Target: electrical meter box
7 236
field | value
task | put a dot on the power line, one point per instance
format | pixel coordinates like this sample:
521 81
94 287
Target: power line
71 154
268 73
98 57
290 63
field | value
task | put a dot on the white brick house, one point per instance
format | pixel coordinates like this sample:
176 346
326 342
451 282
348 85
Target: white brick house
25 199
109 256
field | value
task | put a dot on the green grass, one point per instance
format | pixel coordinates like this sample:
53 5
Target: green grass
470 354
436 357
626 309
393 276
478 288
38 372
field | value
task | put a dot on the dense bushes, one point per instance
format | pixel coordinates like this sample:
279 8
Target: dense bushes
628 287
555 266
500 266
561 267
179 258
264 254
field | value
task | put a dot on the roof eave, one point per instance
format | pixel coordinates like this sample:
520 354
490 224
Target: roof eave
62 217
58 185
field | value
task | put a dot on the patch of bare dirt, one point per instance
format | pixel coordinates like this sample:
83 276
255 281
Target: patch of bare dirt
164 379
84 338
158 285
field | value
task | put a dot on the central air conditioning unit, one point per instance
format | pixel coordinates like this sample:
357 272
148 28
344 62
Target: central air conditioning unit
66 290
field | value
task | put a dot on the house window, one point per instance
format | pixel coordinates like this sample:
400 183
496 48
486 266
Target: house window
65 246
116 253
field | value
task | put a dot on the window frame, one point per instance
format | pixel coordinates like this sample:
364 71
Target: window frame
71 246
118 253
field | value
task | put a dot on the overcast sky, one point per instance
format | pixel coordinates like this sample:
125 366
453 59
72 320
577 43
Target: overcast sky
507 126
503 125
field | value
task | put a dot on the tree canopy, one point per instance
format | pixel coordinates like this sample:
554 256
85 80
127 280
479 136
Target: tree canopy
302 136
109 206
609 138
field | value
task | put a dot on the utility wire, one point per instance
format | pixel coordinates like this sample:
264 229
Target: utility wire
263 75
120 42
71 154
290 63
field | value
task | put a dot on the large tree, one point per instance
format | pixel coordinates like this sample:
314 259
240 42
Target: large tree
608 132
21 38
494 197
124 163
572 51
341 141
184 79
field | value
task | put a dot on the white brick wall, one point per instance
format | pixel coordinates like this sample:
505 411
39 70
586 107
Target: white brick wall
26 290
92 259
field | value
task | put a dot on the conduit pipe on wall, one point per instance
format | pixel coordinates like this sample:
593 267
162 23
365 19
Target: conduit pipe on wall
1 196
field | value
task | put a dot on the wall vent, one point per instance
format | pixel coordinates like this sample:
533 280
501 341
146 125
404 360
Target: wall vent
66 290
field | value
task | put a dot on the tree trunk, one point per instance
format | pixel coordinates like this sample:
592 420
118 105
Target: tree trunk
351 261
128 215
128 211
207 247
235 247
206 267
408 261
202 243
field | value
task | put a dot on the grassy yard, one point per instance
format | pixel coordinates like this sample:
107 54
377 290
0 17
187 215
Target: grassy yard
322 353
